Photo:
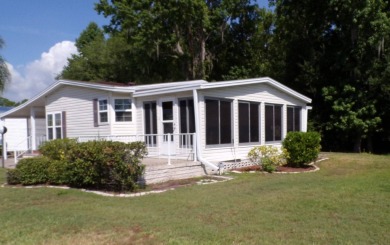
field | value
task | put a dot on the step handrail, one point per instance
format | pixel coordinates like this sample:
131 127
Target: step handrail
18 153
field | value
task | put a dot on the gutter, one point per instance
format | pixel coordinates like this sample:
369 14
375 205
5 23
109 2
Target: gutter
197 132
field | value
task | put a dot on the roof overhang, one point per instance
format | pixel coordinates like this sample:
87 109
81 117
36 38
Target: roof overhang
265 80
40 101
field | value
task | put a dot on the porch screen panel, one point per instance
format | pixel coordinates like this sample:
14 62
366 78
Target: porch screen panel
226 122
290 119
297 119
212 122
254 123
293 118
150 122
191 116
187 120
269 123
278 122
183 116
243 122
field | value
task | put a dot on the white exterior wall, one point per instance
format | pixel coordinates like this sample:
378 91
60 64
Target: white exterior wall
17 133
262 93
78 104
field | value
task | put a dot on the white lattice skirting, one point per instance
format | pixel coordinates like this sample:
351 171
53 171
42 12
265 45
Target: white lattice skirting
236 164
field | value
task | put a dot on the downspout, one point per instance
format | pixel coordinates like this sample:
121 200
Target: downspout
197 133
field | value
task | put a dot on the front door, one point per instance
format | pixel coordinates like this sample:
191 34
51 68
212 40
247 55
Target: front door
168 126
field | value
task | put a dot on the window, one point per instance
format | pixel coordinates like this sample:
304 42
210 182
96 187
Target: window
273 122
293 118
103 111
218 122
248 122
54 126
122 110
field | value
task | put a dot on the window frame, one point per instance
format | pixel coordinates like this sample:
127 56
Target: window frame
219 126
99 111
123 110
250 121
274 139
54 127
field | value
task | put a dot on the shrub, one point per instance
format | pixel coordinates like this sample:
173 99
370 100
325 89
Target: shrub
58 172
94 164
58 149
32 171
303 147
268 157
107 165
13 177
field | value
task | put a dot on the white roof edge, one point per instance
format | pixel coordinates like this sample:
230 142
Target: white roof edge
58 83
33 99
165 90
158 86
106 87
254 81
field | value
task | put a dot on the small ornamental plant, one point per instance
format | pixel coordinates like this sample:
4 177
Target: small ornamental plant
268 157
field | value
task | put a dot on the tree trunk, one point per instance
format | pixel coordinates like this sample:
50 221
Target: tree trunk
369 143
203 58
357 144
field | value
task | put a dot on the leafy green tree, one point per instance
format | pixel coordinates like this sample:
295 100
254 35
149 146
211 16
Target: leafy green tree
4 73
334 52
178 40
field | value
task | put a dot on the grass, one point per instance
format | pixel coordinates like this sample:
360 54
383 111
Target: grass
346 202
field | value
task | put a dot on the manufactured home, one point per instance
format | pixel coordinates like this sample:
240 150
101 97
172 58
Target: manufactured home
208 122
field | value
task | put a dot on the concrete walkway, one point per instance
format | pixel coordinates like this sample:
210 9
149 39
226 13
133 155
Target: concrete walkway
8 163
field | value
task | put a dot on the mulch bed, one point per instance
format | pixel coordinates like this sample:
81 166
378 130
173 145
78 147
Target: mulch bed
283 169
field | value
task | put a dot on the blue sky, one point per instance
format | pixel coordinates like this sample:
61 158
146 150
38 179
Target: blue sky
39 36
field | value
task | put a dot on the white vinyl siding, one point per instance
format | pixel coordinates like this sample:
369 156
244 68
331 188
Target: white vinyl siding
78 104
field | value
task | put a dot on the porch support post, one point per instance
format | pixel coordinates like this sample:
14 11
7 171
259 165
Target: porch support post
284 121
304 117
33 130
197 126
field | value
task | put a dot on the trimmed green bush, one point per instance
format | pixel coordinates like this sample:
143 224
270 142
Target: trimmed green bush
104 165
33 170
58 149
58 172
13 177
303 147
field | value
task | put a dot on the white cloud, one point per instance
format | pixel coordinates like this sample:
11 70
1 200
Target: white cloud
27 81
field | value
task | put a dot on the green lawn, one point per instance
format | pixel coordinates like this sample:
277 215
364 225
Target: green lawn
346 202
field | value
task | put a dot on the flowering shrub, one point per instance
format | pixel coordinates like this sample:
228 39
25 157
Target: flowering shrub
268 157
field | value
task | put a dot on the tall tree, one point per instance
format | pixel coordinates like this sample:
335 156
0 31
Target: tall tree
174 39
334 50
4 73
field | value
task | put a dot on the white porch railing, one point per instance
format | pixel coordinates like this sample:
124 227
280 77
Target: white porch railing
170 146
22 147
26 146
